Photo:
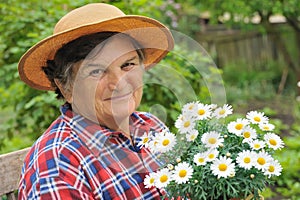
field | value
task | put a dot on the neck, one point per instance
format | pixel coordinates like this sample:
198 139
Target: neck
121 125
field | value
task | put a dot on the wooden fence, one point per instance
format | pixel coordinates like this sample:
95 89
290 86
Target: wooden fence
229 46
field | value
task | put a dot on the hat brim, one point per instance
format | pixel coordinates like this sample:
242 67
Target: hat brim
154 37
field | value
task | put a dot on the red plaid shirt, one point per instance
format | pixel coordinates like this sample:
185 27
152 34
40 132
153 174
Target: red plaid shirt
78 159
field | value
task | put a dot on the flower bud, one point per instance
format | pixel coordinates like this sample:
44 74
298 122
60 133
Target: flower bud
228 154
196 181
170 166
252 176
178 160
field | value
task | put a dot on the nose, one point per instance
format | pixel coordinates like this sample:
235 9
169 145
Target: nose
115 80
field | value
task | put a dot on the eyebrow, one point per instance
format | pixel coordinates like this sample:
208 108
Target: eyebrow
131 59
101 65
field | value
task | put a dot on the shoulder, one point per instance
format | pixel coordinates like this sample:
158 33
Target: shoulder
57 144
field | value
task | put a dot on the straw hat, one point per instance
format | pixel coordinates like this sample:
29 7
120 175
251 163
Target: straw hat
155 38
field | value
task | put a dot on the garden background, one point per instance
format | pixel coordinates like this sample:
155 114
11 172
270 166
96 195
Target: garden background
254 44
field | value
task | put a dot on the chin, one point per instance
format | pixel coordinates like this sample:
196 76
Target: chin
123 111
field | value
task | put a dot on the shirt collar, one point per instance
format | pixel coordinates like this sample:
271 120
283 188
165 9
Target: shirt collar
94 135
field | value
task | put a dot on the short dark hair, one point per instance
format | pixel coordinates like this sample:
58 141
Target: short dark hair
60 67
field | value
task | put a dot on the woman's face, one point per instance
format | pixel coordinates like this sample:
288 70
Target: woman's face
108 86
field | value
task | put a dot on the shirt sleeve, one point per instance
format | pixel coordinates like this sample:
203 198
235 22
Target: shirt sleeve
55 176
56 188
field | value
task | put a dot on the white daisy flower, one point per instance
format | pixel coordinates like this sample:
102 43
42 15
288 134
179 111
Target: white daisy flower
212 139
152 144
200 158
261 160
266 127
190 108
165 141
246 158
273 168
203 111
182 173
256 117
223 167
248 134
187 124
223 112
162 178
273 141
178 122
257 144
237 126
213 106
211 154
144 141
192 135
149 180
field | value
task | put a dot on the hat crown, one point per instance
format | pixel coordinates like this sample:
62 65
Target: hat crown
88 14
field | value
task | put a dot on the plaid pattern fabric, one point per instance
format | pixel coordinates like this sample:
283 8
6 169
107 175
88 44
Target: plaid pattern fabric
78 159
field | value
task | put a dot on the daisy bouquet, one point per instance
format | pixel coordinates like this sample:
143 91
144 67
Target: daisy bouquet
209 158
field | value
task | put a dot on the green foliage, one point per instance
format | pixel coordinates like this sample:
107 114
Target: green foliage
288 184
258 82
28 112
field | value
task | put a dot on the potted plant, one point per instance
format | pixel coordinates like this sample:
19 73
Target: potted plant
210 158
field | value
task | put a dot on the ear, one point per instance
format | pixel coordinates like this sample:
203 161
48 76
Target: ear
66 93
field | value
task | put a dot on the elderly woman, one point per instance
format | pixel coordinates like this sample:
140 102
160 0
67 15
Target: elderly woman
95 61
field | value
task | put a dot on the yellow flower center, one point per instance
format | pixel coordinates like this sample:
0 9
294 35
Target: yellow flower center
211 156
182 173
165 142
272 142
222 167
212 140
247 134
239 126
145 140
222 112
266 128
261 161
193 137
200 160
201 112
247 160
271 168
151 180
257 119
191 107
186 124
164 178
256 146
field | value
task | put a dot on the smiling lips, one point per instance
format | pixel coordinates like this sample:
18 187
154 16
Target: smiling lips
119 97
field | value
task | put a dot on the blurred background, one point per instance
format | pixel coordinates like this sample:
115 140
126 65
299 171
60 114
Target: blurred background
254 44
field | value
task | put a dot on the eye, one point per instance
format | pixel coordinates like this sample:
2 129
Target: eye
128 65
96 72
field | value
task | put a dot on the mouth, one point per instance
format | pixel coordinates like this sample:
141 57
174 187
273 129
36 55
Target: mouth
119 97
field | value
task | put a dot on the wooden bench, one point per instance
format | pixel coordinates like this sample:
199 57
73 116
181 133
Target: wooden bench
10 170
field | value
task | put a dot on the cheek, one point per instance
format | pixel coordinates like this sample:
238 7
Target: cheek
136 79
